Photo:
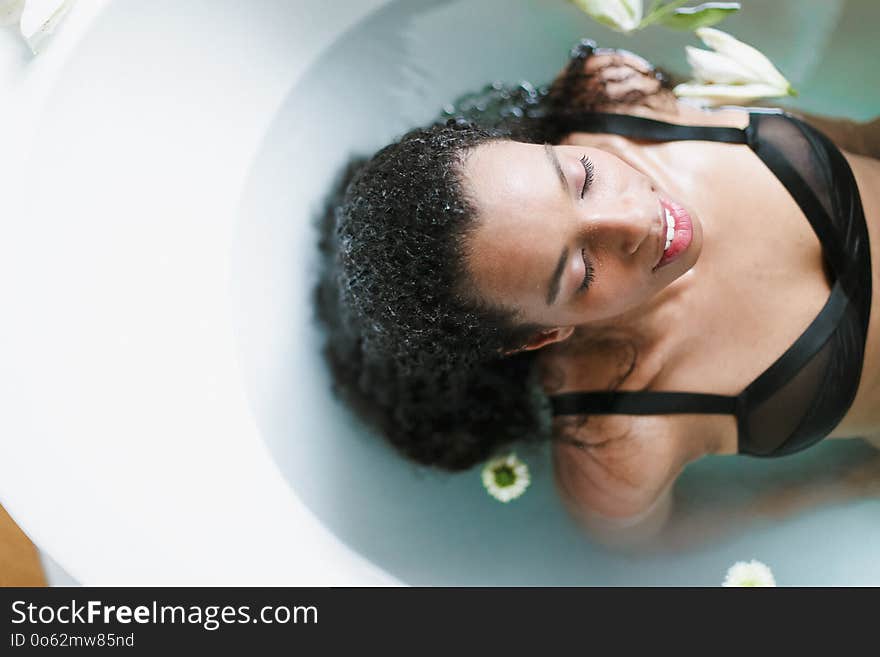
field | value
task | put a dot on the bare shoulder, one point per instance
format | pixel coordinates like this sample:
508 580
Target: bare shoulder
616 466
618 485
611 466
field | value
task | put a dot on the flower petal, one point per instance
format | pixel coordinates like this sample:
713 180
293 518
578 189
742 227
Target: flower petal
620 15
717 94
747 56
511 490
711 67
634 10
753 573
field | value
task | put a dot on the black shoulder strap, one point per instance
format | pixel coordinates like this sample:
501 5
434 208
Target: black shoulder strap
639 127
644 402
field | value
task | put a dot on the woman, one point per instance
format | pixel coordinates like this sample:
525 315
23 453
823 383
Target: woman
479 275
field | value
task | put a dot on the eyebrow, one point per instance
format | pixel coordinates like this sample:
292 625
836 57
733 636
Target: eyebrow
551 154
553 290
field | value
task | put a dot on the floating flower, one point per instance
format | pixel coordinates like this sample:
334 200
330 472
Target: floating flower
620 15
506 477
735 71
37 19
753 573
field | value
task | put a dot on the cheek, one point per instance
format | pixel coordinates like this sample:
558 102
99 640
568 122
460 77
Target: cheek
616 290
613 176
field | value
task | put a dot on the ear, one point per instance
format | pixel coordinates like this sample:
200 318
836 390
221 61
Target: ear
545 337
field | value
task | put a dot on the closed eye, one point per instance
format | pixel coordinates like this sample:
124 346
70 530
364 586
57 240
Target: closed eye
588 174
589 274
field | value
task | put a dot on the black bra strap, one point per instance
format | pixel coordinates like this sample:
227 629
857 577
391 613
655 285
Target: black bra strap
639 127
642 402
804 348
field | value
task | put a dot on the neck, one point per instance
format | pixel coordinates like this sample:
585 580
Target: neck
649 323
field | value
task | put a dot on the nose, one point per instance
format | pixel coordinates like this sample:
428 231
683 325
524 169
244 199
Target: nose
623 225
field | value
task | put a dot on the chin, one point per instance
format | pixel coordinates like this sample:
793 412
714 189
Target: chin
696 246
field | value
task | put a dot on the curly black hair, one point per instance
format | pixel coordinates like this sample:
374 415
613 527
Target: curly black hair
411 348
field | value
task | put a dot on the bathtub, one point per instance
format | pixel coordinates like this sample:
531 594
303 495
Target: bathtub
167 416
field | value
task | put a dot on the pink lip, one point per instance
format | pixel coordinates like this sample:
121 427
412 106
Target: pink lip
684 232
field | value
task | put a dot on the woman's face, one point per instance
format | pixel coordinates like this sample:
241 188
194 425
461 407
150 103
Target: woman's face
570 234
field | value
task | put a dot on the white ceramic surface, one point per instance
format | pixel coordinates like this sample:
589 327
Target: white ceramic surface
130 453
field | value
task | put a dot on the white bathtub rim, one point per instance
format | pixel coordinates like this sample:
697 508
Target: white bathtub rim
334 563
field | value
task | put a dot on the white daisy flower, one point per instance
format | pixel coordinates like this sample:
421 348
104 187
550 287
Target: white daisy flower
506 477
753 573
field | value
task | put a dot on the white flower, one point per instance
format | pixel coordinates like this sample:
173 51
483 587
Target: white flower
506 477
734 71
37 19
753 573
620 15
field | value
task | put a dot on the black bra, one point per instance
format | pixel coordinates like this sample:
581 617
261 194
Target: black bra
806 392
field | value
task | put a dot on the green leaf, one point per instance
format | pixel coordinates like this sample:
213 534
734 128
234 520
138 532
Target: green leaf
704 15
657 12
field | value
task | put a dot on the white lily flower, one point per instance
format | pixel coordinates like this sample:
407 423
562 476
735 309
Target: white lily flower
750 58
620 15
506 477
37 19
735 71
753 573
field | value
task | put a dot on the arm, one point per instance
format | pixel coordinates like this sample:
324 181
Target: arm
715 516
610 80
618 81
842 483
